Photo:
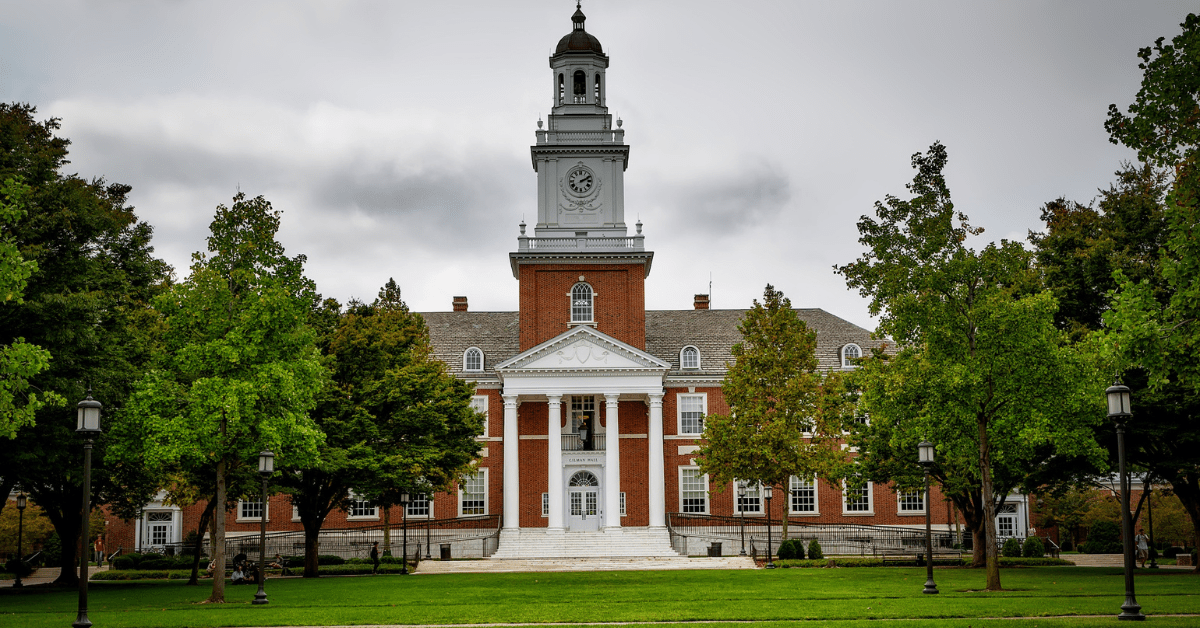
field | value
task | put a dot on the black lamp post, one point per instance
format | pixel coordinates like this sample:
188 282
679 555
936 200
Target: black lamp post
20 533
925 451
767 491
266 466
1118 413
88 426
404 500
741 491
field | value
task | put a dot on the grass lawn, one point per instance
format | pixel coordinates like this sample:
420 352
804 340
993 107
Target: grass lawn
822 597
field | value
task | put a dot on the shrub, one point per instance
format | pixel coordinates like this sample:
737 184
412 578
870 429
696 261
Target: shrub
1033 548
1011 549
52 550
1104 537
791 549
18 566
157 563
814 550
388 559
359 561
330 559
124 563
1170 552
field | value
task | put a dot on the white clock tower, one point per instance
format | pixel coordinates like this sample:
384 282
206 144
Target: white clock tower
579 157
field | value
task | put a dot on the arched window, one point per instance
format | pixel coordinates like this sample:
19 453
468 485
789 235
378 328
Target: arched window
584 478
579 89
473 360
581 303
850 353
689 358
562 89
597 90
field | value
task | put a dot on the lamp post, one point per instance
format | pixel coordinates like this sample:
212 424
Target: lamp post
404 499
767 491
266 466
87 425
1118 413
925 451
20 533
741 491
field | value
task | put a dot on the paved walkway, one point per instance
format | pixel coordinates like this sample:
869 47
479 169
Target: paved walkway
581 564
44 575
1107 560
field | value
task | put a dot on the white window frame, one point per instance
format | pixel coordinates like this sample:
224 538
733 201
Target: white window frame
591 303
870 494
545 504
703 397
241 510
466 367
480 404
793 482
846 359
707 498
683 365
753 492
295 513
482 473
622 503
429 513
901 510
357 502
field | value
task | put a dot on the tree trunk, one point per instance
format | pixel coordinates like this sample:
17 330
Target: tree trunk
989 507
218 541
387 531
783 520
205 517
312 536
973 520
68 525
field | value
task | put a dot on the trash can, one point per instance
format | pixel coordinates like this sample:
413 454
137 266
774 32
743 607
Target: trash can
445 551
714 550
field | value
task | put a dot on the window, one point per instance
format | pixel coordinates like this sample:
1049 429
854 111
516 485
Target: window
420 506
473 495
579 87
473 360
911 501
857 500
751 504
581 303
803 495
360 508
545 504
622 503
597 90
850 353
479 403
250 509
562 90
691 413
693 490
689 358
583 413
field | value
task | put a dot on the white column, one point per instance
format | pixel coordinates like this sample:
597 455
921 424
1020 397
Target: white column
658 481
612 463
554 480
512 479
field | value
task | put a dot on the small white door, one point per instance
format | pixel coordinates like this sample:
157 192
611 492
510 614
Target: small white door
583 502
159 528
1006 526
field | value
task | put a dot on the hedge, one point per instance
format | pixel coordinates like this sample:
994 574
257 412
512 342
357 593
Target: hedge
184 574
869 561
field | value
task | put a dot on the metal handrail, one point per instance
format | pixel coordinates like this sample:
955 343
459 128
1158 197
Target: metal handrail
835 538
575 442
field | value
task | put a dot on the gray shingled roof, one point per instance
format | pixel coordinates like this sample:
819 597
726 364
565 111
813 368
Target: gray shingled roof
713 332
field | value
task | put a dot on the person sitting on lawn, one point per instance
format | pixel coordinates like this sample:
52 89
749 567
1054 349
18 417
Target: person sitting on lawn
212 566
279 563
238 577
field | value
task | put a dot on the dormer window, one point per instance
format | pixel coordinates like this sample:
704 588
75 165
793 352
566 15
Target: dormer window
581 303
689 358
473 360
850 353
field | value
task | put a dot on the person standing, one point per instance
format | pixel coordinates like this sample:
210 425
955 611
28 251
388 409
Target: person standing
99 547
375 558
1143 547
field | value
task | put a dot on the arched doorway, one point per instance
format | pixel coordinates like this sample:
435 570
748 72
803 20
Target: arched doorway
583 501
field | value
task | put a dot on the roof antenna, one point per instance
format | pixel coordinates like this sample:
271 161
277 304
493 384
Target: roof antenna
710 289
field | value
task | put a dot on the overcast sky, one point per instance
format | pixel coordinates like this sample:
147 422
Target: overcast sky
395 136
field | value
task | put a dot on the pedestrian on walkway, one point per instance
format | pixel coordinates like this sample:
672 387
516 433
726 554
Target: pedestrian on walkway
1143 547
99 547
375 558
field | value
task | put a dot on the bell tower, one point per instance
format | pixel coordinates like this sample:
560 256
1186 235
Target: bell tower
581 266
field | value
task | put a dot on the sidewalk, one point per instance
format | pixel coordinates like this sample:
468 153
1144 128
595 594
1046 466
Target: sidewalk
44 575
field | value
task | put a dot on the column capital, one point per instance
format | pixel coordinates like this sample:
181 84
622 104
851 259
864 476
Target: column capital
554 399
509 400
656 399
612 397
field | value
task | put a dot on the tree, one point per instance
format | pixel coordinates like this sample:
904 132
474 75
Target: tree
86 302
240 370
1153 328
981 371
393 418
785 418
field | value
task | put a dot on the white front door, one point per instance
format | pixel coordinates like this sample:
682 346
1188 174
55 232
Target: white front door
1006 526
159 528
583 502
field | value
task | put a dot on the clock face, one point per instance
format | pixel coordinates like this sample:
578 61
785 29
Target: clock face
580 180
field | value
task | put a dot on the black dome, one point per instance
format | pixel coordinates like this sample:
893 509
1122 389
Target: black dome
579 40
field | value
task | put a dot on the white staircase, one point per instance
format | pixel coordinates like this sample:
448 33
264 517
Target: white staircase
515 565
621 543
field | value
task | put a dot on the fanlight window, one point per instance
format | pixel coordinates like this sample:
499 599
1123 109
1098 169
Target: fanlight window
581 303
584 478
689 358
473 360
850 353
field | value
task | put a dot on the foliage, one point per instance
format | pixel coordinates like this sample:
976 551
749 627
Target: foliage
37 528
814 550
1012 548
330 559
1171 524
791 549
981 371
1033 548
785 419
240 370
52 549
1104 537
1067 510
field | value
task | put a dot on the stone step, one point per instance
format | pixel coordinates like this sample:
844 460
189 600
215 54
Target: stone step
582 564
624 543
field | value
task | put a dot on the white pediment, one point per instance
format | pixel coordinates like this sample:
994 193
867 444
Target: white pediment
582 349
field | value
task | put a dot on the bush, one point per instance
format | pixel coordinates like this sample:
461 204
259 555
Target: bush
388 559
1011 549
52 550
330 559
791 549
18 566
814 550
1172 551
1104 537
123 563
1033 548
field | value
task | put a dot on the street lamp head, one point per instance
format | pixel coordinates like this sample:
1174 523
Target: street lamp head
266 462
405 498
926 452
21 500
88 416
1118 400
768 491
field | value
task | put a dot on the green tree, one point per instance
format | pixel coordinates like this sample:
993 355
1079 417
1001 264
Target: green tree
982 371
240 371
1153 337
393 418
785 418
86 302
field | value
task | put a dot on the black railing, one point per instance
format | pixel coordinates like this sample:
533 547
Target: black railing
575 442
835 538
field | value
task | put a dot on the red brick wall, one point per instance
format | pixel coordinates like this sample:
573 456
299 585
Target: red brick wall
619 304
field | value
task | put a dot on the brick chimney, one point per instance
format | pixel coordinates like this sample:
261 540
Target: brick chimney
460 304
701 302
